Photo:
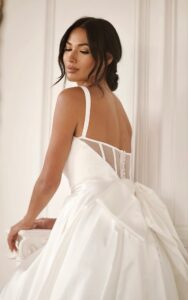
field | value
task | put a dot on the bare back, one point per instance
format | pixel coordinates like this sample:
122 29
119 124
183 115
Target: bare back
108 120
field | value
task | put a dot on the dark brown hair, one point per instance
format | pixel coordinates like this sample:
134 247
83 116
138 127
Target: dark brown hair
102 39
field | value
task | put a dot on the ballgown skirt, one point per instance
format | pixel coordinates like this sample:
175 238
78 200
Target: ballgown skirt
118 243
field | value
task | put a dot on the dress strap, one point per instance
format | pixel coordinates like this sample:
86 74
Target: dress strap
87 110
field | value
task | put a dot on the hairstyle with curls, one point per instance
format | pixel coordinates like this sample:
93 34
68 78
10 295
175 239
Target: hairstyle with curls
102 38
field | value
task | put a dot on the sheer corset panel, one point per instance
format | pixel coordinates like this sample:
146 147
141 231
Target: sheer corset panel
118 159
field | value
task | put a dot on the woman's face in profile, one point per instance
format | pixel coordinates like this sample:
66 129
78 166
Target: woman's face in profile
77 57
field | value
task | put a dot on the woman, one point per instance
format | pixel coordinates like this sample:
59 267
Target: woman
113 239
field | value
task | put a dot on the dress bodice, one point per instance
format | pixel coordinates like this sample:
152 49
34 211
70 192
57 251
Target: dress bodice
92 159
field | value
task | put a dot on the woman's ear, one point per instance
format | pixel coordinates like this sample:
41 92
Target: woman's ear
109 58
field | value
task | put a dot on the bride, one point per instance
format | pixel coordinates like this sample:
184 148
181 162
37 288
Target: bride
113 239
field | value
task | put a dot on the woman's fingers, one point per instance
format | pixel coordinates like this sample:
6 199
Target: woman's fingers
40 223
12 237
44 223
13 233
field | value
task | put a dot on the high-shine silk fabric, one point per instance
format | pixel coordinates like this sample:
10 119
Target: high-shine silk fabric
113 240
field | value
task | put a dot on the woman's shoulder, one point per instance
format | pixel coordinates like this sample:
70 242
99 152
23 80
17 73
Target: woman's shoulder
71 93
72 96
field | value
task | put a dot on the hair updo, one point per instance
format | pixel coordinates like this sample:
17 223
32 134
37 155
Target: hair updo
103 40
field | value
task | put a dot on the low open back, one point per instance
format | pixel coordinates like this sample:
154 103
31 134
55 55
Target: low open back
118 159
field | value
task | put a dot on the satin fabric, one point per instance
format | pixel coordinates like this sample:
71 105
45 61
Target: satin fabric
113 240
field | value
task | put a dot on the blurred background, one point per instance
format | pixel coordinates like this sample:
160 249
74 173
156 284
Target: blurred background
153 89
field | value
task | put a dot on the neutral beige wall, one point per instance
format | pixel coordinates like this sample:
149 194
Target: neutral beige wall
162 106
22 64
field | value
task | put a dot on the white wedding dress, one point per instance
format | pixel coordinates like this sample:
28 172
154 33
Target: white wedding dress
113 239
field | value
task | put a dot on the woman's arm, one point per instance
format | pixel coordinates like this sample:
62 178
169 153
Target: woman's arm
64 124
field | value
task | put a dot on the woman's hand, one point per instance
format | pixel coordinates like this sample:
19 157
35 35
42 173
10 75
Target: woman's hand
24 224
14 230
44 223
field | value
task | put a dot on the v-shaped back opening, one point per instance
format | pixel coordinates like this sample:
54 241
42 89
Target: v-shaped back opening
118 159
